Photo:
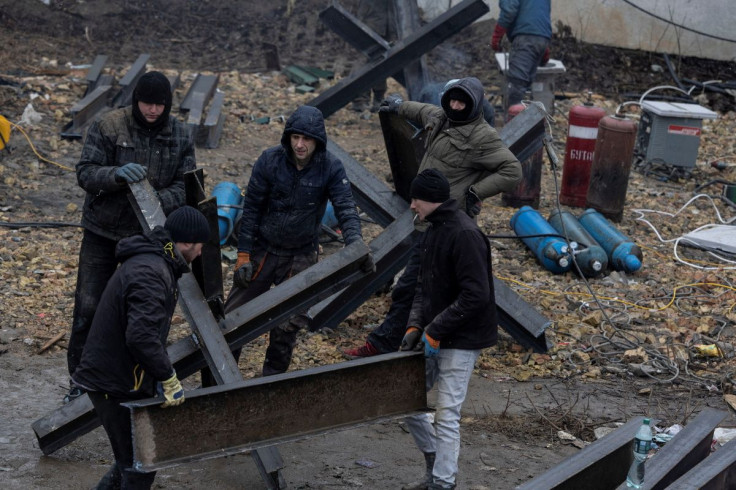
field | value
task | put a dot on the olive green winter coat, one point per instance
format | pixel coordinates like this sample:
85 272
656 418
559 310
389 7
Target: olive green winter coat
468 152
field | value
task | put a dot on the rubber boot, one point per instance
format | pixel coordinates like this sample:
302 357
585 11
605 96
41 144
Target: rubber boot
427 480
112 480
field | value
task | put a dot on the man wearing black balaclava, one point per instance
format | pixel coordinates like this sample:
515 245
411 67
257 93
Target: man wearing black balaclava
470 154
141 141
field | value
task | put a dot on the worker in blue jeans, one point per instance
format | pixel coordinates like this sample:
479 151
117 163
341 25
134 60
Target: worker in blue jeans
527 25
452 318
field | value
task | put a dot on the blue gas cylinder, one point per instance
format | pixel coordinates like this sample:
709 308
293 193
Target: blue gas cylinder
329 219
229 208
552 252
589 255
623 253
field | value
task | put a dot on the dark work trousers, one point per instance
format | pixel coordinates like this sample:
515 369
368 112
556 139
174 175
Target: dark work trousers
387 336
270 269
97 264
116 421
524 57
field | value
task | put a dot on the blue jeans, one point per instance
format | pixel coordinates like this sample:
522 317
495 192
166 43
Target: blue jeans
387 336
524 57
97 264
450 371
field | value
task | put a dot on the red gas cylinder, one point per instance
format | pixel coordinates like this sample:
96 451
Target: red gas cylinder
581 136
609 174
526 192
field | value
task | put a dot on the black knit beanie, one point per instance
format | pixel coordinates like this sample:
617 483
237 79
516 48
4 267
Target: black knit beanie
152 88
461 95
431 186
188 225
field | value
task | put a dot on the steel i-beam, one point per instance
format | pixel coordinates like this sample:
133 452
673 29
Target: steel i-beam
224 420
603 465
400 55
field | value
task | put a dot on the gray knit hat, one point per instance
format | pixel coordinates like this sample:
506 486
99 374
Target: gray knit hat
188 225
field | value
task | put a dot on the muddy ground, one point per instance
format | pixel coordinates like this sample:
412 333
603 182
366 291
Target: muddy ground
518 400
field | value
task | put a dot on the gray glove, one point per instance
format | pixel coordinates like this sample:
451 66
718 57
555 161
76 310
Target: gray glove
130 172
411 339
243 275
368 265
472 202
391 104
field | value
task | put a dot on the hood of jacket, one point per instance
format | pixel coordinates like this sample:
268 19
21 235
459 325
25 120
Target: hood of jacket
473 88
157 241
306 120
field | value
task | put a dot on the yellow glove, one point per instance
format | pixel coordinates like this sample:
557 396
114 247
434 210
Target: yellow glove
173 392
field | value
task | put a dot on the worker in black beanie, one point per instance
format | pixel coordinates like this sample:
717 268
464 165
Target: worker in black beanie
152 100
125 358
452 318
126 145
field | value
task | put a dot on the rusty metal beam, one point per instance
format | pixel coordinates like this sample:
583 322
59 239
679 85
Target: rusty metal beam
83 112
214 122
603 465
520 320
716 472
371 194
408 21
325 278
94 72
203 88
688 448
220 421
354 32
401 54
129 81
405 149
391 250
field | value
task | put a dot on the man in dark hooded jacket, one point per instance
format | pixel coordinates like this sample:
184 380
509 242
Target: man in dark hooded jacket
125 145
471 155
282 210
125 356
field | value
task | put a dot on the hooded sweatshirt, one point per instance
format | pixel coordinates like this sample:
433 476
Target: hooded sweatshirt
125 353
283 206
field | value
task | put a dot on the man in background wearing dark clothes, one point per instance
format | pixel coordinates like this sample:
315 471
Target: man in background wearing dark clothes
141 141
125 356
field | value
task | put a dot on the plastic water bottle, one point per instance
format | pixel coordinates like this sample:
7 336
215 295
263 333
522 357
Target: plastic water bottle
642 444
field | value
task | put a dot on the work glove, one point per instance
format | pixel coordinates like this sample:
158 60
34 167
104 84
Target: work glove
497 36
130 172
472 202
368 265
411 338
431 346
545 57
391 104
243 271
173 392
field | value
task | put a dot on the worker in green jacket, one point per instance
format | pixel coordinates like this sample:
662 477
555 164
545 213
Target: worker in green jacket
471 155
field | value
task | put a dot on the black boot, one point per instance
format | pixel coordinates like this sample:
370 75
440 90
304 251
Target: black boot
423 483
112 480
